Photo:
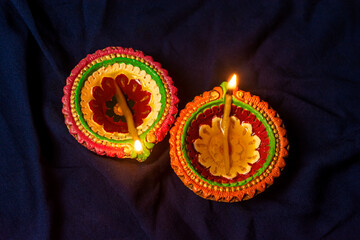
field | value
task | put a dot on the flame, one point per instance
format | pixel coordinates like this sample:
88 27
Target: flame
233 82
138 146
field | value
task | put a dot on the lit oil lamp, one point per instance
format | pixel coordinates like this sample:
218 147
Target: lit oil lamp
227 145
119 102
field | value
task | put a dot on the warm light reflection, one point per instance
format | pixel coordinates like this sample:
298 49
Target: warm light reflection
233 82
138 146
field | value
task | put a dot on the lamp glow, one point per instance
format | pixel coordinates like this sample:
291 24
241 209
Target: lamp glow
232 83
137 146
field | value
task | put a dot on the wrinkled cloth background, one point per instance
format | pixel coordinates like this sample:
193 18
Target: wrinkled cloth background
300 56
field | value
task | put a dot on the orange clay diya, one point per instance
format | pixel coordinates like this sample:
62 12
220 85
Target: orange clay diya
228 163
119 102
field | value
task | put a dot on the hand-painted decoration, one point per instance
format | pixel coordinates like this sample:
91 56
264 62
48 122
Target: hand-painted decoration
228 145
119 102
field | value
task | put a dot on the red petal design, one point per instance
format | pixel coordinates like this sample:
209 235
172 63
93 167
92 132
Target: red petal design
122 80
98 94
108 86
99 118
133 91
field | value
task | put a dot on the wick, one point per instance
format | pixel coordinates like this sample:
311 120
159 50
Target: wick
225 127
120 98
226 121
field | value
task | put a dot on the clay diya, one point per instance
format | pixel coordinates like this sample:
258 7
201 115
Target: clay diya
232 168
119 102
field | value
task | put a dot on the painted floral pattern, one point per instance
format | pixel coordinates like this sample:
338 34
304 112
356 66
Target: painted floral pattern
243 145
244 116
106 109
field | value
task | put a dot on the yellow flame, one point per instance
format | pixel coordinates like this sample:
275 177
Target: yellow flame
232 83
138 146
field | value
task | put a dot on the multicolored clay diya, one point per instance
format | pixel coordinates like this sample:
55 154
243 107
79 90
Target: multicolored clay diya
119 102
228 145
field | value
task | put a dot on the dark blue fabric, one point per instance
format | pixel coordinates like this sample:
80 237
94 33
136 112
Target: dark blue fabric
300 56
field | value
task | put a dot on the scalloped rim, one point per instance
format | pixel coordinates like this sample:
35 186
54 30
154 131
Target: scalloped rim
84 138
228 194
